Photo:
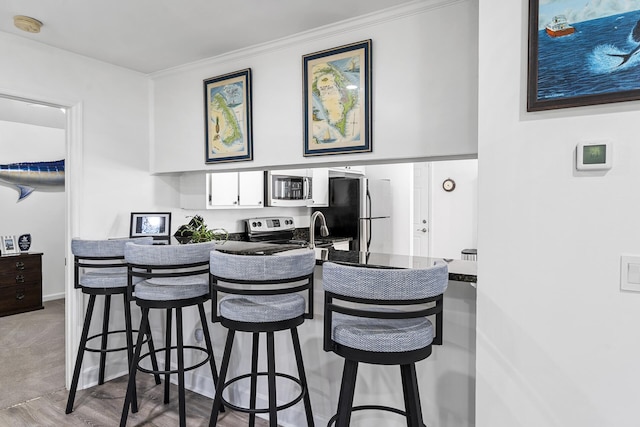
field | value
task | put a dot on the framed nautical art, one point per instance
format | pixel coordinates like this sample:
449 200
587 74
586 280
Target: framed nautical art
582 52
227 115
337 100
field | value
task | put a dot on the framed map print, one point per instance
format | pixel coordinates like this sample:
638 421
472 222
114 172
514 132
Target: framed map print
227 115
582 52
337 100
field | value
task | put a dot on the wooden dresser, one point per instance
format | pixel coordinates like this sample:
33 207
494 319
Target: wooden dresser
20 283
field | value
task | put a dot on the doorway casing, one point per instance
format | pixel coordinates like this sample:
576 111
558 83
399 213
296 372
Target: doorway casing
74 301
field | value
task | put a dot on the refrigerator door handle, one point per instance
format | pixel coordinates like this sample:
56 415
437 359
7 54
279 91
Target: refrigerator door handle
368 222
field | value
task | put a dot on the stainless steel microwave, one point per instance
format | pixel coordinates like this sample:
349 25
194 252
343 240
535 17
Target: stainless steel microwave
288 188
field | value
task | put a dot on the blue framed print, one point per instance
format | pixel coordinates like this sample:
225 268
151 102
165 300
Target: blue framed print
337 100
227 114
582 52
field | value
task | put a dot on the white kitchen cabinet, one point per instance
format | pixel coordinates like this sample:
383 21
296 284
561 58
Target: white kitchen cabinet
319 187
347 171
222 190
251 189
341 246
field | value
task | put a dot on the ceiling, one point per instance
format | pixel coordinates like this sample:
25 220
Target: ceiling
153 35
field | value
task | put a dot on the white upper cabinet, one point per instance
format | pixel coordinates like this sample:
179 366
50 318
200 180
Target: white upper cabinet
222 190
347 171
251 189
319 187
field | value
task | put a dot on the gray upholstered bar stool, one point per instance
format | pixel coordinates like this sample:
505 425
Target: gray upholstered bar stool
361 327
262 297
173 277
100 270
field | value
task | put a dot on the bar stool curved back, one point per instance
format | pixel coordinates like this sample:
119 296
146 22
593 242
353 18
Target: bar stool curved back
100 270
262 296
360 326
171 277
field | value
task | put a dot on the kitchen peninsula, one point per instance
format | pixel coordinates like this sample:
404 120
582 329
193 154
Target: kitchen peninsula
447 377
461 271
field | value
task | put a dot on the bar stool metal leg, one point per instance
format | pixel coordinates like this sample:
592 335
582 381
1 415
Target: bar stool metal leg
301 375
271 375
130 349
254 378
83 343
167 355
217 401
180 348
207 341
411 395
152 351
133 368
105 331
347 389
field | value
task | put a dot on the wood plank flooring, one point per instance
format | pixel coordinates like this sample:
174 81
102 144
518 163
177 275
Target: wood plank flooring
32 390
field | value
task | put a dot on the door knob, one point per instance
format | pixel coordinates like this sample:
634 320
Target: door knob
424 230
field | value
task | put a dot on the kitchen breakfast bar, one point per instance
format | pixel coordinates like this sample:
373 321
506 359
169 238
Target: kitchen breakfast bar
446 378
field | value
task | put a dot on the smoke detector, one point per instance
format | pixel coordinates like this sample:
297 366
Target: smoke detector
27 23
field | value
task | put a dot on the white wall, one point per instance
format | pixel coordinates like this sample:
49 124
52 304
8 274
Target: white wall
557 340
107 170
42 213
454 215
424 91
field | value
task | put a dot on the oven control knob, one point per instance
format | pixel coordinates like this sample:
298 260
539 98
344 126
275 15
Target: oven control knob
253 224
259 224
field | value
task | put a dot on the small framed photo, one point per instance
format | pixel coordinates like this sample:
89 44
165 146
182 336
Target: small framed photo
9 245
227 118
154 224
337 100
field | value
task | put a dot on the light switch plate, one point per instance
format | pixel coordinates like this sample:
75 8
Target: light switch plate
630 273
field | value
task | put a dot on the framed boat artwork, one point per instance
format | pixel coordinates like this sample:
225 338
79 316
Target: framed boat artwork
337 100
228 119
582 52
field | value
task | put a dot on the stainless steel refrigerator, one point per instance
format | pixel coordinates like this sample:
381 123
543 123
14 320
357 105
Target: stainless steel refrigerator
360 208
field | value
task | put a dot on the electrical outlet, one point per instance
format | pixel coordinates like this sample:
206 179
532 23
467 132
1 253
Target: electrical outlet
630 273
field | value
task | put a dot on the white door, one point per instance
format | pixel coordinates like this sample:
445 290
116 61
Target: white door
421 199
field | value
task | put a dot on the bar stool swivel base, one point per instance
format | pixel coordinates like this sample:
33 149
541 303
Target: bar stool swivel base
289 404
332 420
268 328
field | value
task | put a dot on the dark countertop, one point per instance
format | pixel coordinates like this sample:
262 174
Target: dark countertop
461 271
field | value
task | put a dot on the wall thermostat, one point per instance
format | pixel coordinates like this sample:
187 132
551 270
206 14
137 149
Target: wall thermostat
594 156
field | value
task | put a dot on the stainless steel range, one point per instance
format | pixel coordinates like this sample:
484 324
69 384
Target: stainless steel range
272 229
278 230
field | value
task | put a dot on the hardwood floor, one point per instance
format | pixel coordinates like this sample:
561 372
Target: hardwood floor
32 390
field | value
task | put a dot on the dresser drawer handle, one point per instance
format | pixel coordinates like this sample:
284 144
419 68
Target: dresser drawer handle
19 265
20 278
19 295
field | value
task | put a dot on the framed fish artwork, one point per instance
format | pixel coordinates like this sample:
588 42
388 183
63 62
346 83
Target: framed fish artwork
337 100
582 52
228 119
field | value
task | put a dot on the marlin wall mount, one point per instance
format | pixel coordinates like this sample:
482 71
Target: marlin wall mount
30 176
